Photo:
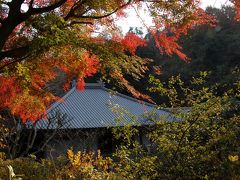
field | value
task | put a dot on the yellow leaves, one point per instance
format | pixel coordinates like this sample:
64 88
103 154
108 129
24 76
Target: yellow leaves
2 154
233 158
80 159
87 165
75 159
22 71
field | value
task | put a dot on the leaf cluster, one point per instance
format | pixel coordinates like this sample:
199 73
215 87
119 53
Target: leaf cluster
201 142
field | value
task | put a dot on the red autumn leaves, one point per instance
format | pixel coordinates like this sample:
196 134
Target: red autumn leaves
23 89
26 94
131 41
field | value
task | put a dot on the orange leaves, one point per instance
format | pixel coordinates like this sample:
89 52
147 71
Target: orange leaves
20 101
78 65
131 41
88 67
28 106
237 9
200 18
91 64
8 89
169 45
80 84
26 94
166 40
66 7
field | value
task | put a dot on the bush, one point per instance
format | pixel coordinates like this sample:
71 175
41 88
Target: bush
27 168
203 142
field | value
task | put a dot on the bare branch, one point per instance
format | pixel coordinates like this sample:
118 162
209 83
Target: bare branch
31 5
12 62
185 132
30 141
79 22
6 141
14 53
15 6
49 138
1 20
59 121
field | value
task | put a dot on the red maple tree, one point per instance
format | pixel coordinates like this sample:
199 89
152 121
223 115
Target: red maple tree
37 36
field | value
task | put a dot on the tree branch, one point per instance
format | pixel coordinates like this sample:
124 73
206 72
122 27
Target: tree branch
57 130
185 131
74 7
12 62
31 5
14 53
33 11
108 14
1 20
79 22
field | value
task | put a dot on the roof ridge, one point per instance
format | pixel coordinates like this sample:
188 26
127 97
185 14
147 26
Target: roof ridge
101 86
93 85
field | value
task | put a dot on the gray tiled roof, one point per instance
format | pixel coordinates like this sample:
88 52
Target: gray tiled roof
97 107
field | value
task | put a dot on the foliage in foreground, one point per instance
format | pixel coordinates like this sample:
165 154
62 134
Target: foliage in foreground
74 166
202 142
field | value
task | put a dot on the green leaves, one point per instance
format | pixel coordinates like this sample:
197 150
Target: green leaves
202 142
23 72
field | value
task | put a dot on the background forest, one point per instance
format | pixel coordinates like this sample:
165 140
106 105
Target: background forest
212 49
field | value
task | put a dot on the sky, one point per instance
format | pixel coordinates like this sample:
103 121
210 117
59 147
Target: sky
215 3
133 21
